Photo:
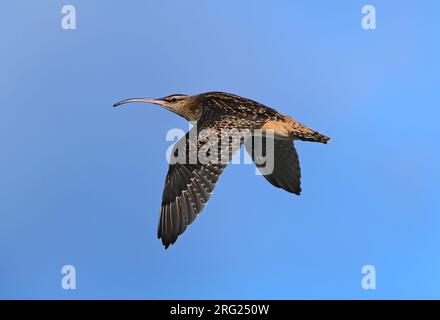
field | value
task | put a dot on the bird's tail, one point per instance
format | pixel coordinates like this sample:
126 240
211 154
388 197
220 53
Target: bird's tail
287 128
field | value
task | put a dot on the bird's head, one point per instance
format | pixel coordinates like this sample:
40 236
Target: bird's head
178 103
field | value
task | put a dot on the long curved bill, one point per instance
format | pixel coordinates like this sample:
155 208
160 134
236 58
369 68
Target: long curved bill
144 100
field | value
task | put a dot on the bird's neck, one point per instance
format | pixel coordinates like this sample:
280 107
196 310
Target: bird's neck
191 111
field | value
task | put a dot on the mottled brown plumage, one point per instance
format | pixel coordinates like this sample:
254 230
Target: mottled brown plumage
189 184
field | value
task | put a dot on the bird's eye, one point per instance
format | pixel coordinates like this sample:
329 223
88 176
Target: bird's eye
174 100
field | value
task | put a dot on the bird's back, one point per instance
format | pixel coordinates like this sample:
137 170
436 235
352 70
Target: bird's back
223 103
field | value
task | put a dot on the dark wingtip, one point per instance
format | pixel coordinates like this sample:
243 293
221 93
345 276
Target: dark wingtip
166 243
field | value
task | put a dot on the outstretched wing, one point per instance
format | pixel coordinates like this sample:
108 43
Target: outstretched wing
284 172
192 177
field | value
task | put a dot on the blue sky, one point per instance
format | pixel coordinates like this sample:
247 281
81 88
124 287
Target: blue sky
81 182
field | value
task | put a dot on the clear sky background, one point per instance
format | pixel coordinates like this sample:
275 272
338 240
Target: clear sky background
81 182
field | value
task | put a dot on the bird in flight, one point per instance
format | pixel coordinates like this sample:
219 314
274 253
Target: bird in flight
189 184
